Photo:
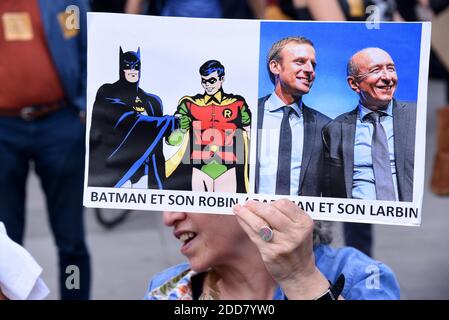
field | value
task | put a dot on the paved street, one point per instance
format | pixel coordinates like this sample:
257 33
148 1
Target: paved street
126 257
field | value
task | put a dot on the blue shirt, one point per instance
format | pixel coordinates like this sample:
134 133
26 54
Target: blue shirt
366 279
193 8
363 183
68 53
269 145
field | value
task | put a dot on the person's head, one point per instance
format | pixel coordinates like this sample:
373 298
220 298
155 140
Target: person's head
372 74
130 65
208 240
212 76
214 241
291 65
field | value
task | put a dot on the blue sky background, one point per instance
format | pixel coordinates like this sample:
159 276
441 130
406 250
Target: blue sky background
335 43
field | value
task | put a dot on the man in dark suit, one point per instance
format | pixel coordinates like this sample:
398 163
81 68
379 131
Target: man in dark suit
369 152
290 148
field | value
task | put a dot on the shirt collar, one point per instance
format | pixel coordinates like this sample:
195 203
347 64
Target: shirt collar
217 97
274 103
363 111
178 287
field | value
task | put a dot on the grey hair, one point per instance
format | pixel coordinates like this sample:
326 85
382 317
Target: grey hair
322 232
276 48
352 69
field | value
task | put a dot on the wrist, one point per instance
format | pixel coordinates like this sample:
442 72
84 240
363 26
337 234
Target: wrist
334 291
305 286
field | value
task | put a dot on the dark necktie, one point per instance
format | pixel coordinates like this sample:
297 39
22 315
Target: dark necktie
383 178
285 154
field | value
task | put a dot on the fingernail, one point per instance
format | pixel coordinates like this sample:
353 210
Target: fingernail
236 208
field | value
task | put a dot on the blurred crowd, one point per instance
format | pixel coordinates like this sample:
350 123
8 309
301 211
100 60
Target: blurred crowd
321 10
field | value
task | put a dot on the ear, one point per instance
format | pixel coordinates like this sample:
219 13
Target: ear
138 52
353 84
275 67
121 51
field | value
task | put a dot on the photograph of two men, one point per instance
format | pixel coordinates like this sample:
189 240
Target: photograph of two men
199 115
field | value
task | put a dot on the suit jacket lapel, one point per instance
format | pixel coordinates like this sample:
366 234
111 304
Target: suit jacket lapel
348 139
310 133
260 113
401 123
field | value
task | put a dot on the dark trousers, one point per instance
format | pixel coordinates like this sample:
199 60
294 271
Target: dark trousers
359 236
55 144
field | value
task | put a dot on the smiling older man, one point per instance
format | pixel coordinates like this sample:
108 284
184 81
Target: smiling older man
381 130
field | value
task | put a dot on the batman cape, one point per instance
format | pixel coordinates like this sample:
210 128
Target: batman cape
127 131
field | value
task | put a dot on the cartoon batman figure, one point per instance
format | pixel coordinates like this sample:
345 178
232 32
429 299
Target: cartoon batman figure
127 131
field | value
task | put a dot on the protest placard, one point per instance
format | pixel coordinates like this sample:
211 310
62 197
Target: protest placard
187 114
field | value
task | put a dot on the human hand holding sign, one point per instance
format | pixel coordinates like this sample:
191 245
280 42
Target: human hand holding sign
288 255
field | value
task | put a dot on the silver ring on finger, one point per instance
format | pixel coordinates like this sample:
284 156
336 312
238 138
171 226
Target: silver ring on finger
266 233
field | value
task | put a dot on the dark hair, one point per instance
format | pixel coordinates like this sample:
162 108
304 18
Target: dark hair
322 232
210 66
276 48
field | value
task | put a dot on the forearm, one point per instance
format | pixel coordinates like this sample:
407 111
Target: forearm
325 10
182 109
258 8
133 6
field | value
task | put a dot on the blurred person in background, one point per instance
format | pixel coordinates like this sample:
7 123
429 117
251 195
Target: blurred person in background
42 120
117 6
112 6
416 10
231 9
427 10
303 10
338 10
